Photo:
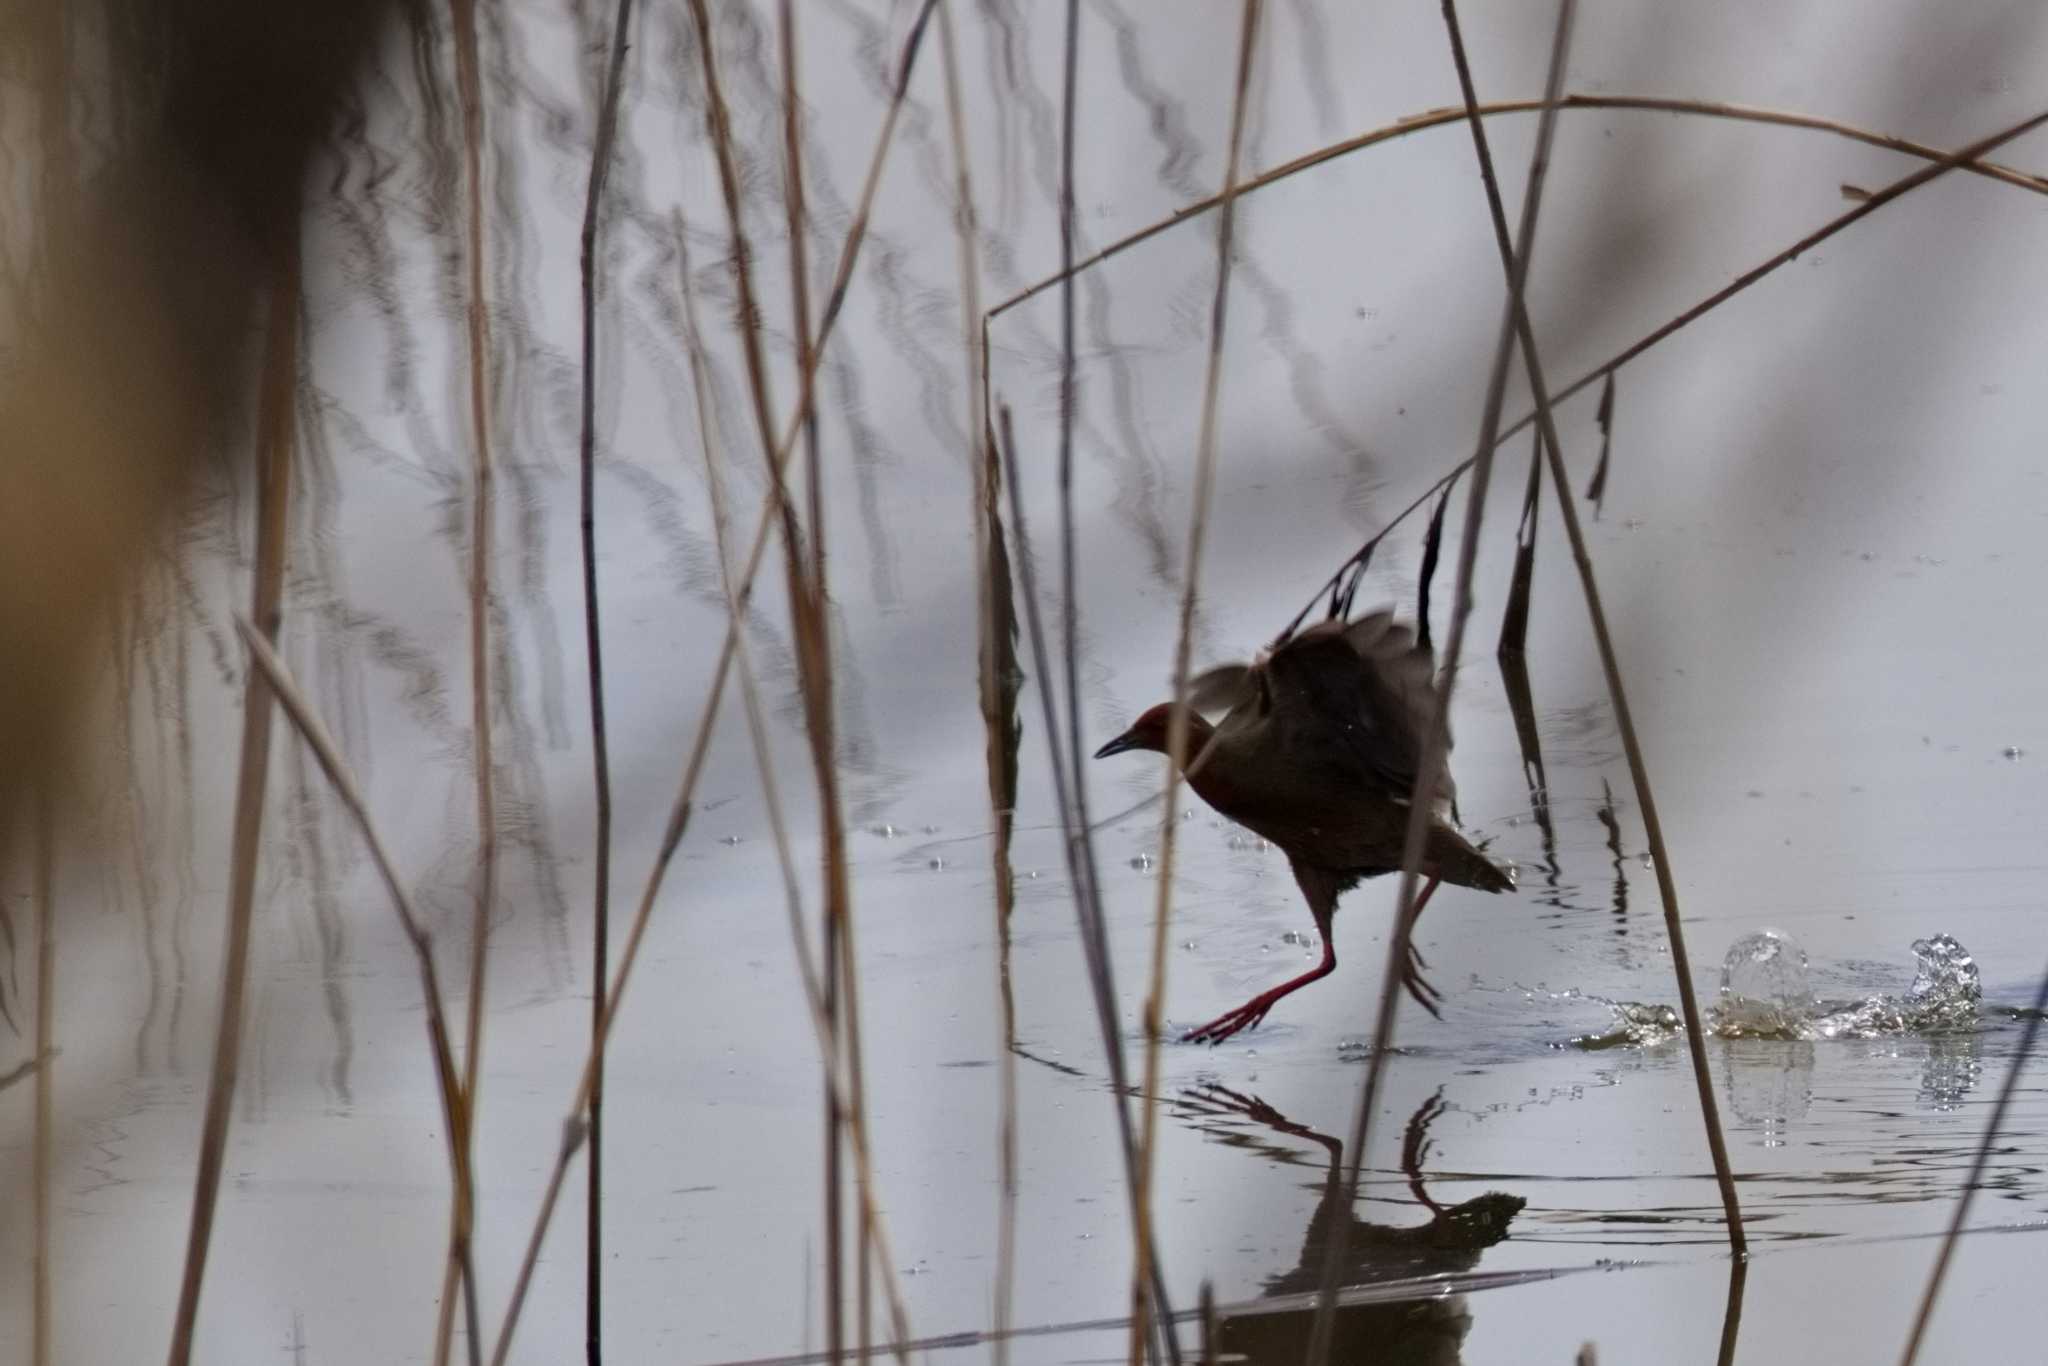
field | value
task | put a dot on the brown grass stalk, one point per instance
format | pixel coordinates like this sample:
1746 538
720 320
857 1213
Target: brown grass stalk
263 657
1968 156
693 765
1429 776
808 597
1440 118
800 309
1623 718
996 677
593 651
461 1265
274 431
1178 728
1080 839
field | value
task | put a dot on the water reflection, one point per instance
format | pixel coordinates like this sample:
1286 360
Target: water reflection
1425 1330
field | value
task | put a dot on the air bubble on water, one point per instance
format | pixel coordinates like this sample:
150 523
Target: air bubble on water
885 830
1187 813
731 839
935 863
1032 874
931 829
1142 862
2014 752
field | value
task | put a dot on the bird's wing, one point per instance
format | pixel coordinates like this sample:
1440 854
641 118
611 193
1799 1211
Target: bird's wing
1365 689
1222 688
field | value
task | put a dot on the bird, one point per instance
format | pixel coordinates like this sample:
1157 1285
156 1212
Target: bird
1317 753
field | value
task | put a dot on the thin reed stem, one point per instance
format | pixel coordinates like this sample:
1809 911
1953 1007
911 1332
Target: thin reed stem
1429 773
482 505
593 651
800 308
996 677
1102 988
1081 842
693 767
274 431
263 657
1440 118
1980 1161
808 596
1968 156
1667 887
1177 729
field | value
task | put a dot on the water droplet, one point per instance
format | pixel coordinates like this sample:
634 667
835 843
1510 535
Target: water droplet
2014 752
731 839
885 830
1754 792
1033 875
1142 862
1647 860
936 863
931 829
1187 813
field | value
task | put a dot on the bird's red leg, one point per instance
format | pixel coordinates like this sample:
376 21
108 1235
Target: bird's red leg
1254 1010
1418 986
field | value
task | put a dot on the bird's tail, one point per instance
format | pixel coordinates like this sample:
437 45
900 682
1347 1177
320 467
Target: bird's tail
1454 860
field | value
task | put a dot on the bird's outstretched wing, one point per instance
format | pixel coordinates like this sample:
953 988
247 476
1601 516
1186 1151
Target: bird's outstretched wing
1364 687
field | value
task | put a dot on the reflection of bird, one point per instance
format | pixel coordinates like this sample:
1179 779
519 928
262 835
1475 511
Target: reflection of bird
1318 753
1426 1331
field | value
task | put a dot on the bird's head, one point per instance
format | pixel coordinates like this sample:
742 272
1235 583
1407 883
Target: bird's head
1149 731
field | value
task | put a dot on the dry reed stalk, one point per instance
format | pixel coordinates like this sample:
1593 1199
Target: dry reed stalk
800 309
461 1265
1970 156
593 651
1514 262
996 676
1429 773
1979 1161
274 432
808 597
1178 727
263 657
711 443
1080 837
693 765
43 1326
1439 118
1078 854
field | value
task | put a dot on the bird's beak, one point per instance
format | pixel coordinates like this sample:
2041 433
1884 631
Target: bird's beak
1117 746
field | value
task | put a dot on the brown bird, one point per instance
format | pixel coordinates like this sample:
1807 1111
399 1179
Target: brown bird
1318 754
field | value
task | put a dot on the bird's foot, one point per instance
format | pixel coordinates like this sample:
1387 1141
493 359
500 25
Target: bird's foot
1231 1022
1419 987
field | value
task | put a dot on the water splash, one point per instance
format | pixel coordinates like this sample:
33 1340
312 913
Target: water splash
1766 994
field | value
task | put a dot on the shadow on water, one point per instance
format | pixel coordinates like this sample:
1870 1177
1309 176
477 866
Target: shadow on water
1429 1329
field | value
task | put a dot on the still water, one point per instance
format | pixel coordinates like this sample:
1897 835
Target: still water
1820 542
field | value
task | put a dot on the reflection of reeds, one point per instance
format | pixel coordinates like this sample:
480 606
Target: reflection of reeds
1429 772
1178 727
275 419
593 649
